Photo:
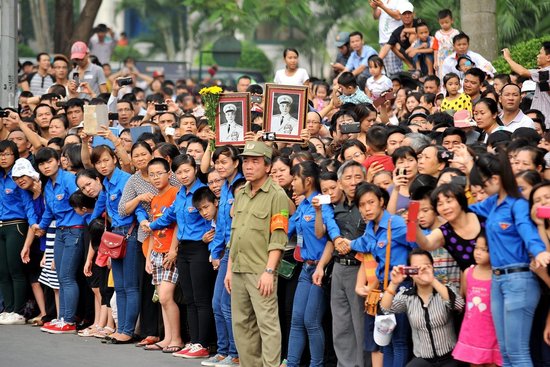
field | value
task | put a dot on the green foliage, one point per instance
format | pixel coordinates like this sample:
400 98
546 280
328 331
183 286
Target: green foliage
521 20
252 57
524 53
122 52
25 51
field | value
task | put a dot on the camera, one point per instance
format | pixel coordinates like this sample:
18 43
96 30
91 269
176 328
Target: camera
269 136
256 99
124 81
113 116
61 104
401 172
76 78
409 270
161 107
170 131
459 180
4 113
351 128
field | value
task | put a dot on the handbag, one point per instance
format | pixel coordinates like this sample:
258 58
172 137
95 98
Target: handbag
113 244
373 298
286 269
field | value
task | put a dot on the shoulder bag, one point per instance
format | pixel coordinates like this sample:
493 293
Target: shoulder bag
113 244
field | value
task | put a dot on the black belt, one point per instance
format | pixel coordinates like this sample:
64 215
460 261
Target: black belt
519 269
347 262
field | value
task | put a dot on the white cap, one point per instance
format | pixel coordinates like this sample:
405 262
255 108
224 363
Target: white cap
284 99
23 167
229 107
528 86
383 329
405 7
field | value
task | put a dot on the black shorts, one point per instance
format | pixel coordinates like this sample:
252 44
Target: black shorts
33 269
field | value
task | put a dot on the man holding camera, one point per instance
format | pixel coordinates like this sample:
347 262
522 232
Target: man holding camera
85 71
102 46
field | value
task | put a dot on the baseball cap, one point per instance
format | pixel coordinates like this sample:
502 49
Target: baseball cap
158 73
229 107
463 119
417 114
284 99
23 167
256 149
79 50
528 86
383 329
405 7
341 39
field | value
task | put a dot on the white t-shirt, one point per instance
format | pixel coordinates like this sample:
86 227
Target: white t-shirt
299 77
386 24
377 87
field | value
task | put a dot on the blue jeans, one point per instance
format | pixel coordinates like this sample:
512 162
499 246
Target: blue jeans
307 315
126 276
514 298
68 252
221 305
396 354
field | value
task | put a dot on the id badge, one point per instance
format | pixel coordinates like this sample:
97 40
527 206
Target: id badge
299 240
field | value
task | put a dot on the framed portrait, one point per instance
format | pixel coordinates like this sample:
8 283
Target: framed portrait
285 111
232 118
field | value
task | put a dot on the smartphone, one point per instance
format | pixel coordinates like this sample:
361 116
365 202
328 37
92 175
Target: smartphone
170 131
324 199
256 99
351 128
113 116
76 78
61 104
543 212
4 113
401 172
459 180
124 81
412 217
409 270
269 137
161 107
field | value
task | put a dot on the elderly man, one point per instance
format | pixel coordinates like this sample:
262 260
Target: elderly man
230 130
284 123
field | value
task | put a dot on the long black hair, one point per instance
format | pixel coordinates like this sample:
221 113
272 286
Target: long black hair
488 165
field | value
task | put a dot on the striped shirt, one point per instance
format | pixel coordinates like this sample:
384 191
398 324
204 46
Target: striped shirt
432 324
38 84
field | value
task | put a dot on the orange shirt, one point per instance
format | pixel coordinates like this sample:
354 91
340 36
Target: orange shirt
162 238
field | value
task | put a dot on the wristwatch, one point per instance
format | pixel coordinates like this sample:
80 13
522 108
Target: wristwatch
268 270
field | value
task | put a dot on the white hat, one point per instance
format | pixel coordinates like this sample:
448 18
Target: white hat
23 167
383 329
284 99
229 107
528 86
405 7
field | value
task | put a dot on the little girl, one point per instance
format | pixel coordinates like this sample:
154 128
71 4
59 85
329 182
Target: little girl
378 83
477 343
320 90
454 100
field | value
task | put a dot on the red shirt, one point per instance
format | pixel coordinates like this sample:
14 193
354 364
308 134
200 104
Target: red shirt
384 160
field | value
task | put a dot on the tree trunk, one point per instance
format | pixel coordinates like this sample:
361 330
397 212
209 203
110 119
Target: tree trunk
64 22
478 20
68 32
40 24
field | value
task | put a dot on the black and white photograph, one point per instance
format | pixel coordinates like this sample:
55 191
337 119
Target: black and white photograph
286 109
232 119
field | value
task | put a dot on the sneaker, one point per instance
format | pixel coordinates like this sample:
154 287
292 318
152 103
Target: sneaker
196 351
229 361
3 315
283 364
50 324
13 319
185 349
213 361
62 328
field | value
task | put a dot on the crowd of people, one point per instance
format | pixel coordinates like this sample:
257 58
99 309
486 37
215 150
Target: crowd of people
409 227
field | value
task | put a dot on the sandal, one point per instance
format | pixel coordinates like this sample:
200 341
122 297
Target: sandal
154 347
89 331
172 349
148 341
104 332
37 321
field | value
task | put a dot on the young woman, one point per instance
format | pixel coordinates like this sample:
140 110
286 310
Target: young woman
513 238
16 214
192 256
433 337
125 270
291 74
140 191
69 246
371 201
227 166
486 117
309 299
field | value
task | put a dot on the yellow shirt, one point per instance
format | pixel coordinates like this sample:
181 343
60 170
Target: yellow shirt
463 102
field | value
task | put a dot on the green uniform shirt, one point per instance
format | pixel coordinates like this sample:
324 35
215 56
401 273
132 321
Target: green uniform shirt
251 234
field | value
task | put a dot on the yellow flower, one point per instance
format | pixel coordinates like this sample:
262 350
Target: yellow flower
210 90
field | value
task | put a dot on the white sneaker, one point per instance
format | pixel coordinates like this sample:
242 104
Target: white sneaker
4 316
14 319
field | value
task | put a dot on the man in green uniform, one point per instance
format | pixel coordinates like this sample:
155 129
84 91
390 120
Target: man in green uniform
258 238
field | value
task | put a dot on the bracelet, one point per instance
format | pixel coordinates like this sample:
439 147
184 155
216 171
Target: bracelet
390 291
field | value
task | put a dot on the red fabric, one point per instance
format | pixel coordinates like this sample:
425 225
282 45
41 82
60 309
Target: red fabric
384 160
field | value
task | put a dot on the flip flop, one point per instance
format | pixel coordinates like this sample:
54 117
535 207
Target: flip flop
154 347
148 341
172 349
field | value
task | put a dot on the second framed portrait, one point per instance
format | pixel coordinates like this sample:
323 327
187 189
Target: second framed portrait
286 109
232 118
